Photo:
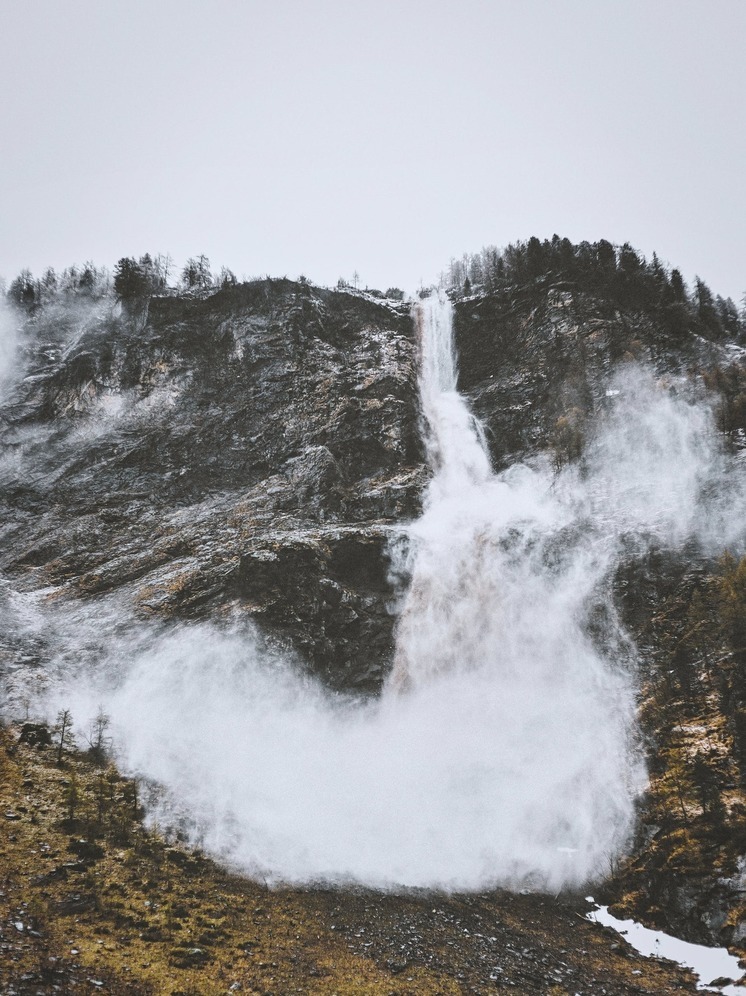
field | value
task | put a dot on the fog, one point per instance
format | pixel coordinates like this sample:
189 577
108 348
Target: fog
657 467
10 341
504 748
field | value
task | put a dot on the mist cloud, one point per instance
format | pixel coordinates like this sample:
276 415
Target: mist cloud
10 339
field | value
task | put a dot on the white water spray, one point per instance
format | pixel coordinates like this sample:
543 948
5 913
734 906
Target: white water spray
497 609
9 341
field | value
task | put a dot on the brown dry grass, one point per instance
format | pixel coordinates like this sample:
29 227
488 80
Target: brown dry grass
146 917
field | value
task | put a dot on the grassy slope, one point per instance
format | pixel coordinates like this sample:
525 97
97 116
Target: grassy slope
142 916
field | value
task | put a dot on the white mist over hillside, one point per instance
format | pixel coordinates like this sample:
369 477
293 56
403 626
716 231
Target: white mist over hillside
503 748
9 342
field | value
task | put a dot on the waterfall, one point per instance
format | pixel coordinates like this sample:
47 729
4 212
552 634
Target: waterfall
502 750
502 586
455 445
460 463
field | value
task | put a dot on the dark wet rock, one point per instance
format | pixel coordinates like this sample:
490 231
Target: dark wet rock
329 590
544 352
152 935
35 735
189 957
86 850
76 902
253 449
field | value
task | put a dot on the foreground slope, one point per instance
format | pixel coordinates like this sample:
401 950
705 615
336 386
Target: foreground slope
92 901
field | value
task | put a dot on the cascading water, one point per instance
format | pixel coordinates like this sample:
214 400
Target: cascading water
500 751
494 622
455 444
460 465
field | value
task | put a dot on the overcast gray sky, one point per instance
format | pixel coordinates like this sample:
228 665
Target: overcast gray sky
295 136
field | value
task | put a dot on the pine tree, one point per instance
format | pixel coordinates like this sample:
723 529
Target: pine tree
131 282
23 291
64 730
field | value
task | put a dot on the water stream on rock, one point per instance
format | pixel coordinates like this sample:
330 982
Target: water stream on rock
502 587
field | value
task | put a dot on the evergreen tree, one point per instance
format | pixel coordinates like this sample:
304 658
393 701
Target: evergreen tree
64 730
227 278
566 257
606 256
69 280
49 284
678 287
705 305
536 258
23 291
88 279
196 275
131 283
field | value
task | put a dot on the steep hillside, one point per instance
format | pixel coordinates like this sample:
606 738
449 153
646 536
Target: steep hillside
256 453
536 361
541 364
254 449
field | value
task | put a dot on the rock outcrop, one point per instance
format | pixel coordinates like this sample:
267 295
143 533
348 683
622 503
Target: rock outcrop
536 365
535 362
254 449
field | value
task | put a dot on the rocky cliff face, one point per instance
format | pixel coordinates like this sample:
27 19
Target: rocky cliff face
535 362
257 452
252 450
536 365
